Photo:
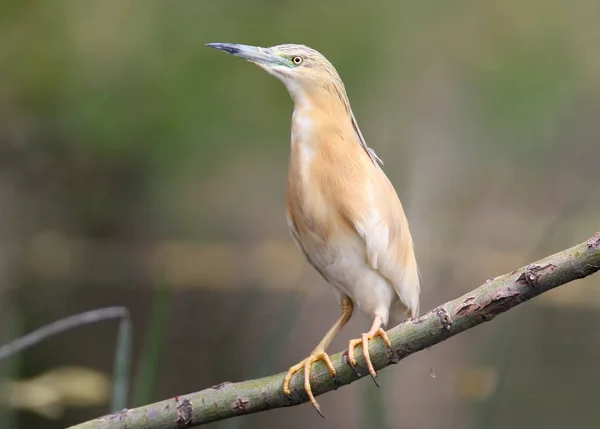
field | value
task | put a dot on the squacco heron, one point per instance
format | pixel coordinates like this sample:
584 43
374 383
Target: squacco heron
342 211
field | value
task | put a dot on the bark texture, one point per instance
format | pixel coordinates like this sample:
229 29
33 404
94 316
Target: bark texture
495 296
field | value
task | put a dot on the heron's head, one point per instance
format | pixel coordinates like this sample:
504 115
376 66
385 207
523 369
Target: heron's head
303 70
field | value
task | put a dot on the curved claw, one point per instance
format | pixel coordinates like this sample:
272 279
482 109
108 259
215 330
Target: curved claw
306 364
364 341
352 365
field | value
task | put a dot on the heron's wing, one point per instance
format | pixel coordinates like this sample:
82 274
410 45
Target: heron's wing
383 226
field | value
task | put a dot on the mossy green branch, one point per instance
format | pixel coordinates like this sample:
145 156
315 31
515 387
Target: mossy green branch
480 305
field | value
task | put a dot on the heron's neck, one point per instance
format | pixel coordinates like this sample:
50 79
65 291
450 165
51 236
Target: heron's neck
327 97
316 115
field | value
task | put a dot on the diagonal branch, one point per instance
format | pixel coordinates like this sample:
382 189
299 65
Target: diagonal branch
480 305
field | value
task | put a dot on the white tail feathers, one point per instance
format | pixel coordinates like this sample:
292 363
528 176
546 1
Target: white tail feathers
408 291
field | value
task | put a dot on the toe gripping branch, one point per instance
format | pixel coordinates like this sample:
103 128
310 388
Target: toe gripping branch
364 342
306 364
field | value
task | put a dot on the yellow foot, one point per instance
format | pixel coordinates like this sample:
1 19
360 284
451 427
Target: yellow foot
364 340
306 364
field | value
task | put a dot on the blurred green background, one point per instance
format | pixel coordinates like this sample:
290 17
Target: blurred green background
132 156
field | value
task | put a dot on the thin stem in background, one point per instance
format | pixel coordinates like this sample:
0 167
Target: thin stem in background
122 365
145 385
122 352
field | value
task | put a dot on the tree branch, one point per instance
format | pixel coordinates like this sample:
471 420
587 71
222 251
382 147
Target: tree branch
480 305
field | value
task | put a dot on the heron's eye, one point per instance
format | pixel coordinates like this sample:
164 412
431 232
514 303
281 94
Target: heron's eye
297 60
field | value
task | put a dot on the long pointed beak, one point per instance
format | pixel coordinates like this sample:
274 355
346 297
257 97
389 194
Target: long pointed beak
255 54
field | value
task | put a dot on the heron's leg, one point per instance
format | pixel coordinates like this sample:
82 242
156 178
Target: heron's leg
376 330
319 353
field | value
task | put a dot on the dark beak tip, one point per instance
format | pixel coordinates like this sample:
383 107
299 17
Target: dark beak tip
227 47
